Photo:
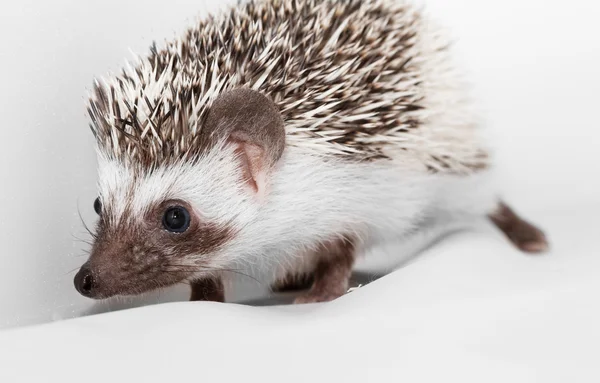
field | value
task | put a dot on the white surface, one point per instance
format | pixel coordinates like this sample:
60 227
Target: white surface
473 308
470 310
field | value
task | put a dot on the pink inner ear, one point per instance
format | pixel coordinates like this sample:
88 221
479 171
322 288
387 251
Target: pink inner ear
251 158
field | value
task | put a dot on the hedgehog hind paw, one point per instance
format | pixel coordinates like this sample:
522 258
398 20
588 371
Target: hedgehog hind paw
524 235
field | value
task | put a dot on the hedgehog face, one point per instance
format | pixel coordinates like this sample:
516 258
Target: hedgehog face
170 242
166 222
161 227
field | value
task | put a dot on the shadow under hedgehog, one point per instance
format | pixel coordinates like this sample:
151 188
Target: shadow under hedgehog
284 138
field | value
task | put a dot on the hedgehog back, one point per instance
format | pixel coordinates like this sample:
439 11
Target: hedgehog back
362 80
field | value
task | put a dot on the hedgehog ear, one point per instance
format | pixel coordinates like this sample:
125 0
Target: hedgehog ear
250 121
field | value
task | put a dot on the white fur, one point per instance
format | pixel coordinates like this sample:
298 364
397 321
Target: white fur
310 199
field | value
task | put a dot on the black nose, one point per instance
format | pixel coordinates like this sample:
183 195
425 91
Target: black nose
84 281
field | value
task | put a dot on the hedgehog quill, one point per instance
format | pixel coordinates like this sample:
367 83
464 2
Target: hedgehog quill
285 137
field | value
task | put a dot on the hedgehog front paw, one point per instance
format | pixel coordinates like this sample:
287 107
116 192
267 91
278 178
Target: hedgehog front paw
210 289
318 296
293 282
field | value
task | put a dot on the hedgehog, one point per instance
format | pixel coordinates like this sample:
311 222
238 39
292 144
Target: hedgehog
285 138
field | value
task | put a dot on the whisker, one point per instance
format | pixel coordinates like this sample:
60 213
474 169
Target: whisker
75 269
243 274
84 224
82 240
189 269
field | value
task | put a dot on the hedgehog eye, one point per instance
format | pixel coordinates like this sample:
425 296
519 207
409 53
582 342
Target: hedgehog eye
98 206
176 219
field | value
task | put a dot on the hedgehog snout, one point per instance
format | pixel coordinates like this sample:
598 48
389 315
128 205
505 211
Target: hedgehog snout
85 282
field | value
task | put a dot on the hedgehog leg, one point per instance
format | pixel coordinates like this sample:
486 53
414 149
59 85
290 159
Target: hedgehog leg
524 235
293 282
210 289
332 273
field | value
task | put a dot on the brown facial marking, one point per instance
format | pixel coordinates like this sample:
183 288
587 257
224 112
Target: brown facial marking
332 272
139 254
521 233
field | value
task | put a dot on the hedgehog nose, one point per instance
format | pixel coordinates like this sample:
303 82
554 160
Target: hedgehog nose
84 281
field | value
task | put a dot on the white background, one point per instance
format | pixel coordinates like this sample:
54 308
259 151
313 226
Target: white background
533 64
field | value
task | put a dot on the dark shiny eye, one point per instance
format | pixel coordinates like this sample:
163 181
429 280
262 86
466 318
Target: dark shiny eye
98 206
176 219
